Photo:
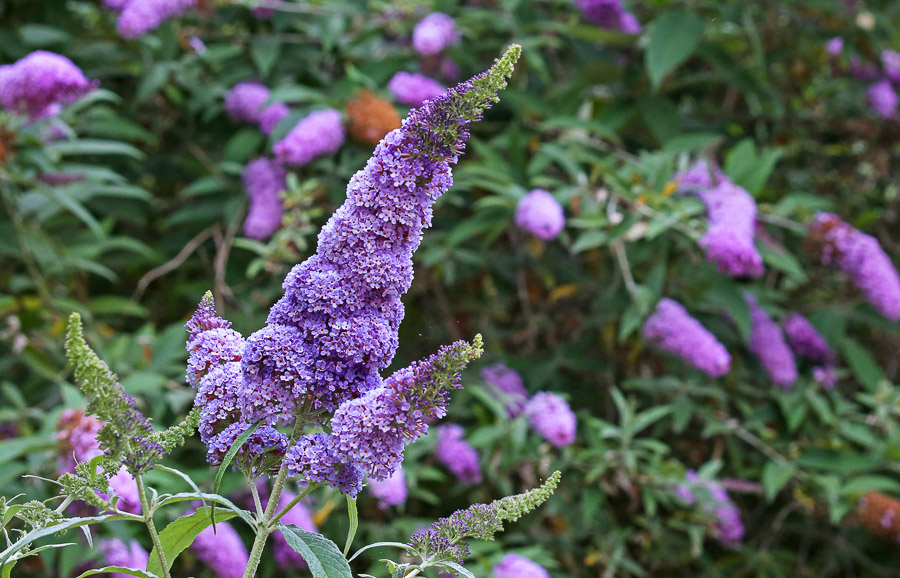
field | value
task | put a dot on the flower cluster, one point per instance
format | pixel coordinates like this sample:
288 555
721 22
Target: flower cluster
245 103
672 328
862 259
715 501
808 343
370 118
434 33
316 134
540 214
610 14
264 179
768 343
38 84
456 453
391 491
506 385
515 566
414 89
222 549
118 553
552 417
731 211
138 17
880 513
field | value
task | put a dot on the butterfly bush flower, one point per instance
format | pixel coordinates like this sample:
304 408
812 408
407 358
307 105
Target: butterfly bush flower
244 101
264 179
285 556
317 134
456 453
890 62
222 550
38 84
118 553
515 566
729 528
610 14
506 385
672 328
115 5
835 46
883 98
862 259
77 437
731 212
272 115
767 342
414 89
391 491
805 340
540 214
139 17
552 417
434 33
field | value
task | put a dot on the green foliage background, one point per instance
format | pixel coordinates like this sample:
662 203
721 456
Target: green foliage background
603 121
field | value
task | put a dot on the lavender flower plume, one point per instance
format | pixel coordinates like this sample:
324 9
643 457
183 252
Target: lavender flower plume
391 491
515 566
244 101
540 214
222 550
861 257
826 376
115 5
139 17
890 62
883 98
118 553
76 434
805 340
835 46
609 14
414 89
37 82
317 134
123 485
506 385
272 115
672 328
552 417
434 33
285 556
731 211
767 342
264 179
714 501
456 453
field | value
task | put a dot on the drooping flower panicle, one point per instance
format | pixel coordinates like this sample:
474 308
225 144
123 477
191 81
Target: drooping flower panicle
138 17
244 101
552 417
672 328
39 83
540 214
805 340
317 134
414 89
515 566
610 14
264 179
768 343
434 33
506 385
715 501
222 549
456 453
391 491
118 553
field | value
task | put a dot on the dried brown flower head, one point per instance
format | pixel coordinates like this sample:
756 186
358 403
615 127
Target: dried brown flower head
371 118
880 514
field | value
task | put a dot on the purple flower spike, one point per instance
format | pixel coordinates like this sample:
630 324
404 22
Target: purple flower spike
515 566
609 14
434 33
391 491
315 135
245 100
826 376
222 550
414 89
264 179
673 329
715 501
506 385
118 553
115 5
540 214
767 342
552 417
139 17
285 556
456 453
38 83
835 46
890 61
862 259
272 115
883 98
805 340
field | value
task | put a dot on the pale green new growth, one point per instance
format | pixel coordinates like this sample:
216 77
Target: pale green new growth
514 507
175 435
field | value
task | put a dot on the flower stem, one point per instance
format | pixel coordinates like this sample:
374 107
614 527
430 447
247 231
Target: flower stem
148 519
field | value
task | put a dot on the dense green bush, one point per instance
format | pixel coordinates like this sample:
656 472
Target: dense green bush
128 205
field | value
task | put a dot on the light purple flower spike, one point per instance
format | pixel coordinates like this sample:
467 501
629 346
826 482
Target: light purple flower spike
414 89
609 14
434 33
506 385
38 83
672 328
552 417
540 214
244 102
118 553
139 17
805 340
835 46
222 550
264 179
714 501
515 566
456 453
883 98
767 342
391 491
317 134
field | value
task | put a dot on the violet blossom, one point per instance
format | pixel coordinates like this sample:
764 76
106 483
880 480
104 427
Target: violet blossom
317 134
244 101
890 62
272 115
137 17
434 33
506 385
414 89
609 14
264 179
515 566
883 98
38 84
118 553
456 453
222 549
540 214
672 328
834 46
391 491
552 417
805 340
715 501
861 257
768 343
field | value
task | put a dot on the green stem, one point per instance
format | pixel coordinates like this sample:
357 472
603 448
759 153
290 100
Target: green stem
148 519
293 502
256 502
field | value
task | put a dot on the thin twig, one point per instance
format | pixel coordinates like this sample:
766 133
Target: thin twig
221 288
174 263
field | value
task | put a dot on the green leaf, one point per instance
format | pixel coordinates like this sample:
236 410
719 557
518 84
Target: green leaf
673 37
226 461
873 483
120 570
775 476
321 554
55 529
354 523
92 147
165 500
457 568
265 52
180 534
12 449
861 362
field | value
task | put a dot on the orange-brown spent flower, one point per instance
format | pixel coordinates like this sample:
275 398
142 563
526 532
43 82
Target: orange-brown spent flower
371 118
7 138
880 514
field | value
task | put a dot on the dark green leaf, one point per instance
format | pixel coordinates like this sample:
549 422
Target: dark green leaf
321 554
